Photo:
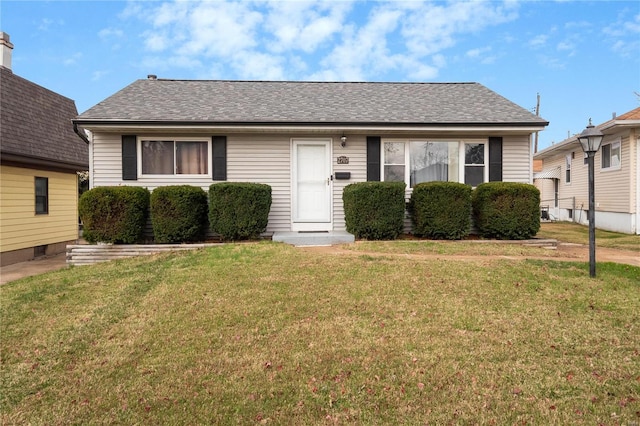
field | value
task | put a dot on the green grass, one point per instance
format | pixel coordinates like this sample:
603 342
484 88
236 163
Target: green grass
266 333
579 234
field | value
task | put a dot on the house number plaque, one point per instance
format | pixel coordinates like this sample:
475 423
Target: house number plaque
343 160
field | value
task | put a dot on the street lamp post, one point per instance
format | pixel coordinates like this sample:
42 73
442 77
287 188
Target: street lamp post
590 140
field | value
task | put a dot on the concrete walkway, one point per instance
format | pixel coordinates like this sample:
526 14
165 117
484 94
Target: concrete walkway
32 267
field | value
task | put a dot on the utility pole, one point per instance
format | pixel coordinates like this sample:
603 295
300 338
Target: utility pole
535 146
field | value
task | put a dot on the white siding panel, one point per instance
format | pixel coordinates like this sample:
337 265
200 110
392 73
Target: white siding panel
264 159
516 159
613 186
107 160
356 152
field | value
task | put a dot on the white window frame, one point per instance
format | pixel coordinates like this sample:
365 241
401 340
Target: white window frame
461 155
567 172
611 144
173 139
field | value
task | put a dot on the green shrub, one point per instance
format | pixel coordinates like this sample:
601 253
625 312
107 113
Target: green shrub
239 210
506 210
178 214
441 210
374 210
114 214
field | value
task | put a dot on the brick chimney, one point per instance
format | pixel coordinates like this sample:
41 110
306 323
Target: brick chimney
5 50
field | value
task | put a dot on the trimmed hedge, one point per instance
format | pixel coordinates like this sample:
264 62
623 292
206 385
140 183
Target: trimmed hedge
441 210
506 210
374 210
178 214
114 214
239 210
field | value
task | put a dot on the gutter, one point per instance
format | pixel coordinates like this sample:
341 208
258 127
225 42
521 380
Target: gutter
82 135
323 124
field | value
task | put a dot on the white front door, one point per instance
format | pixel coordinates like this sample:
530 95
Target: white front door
311 192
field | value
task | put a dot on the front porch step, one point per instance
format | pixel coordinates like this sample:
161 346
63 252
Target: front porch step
314 238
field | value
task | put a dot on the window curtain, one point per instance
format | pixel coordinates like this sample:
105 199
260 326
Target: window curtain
191 158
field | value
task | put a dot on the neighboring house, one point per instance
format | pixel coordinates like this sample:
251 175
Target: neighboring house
40 156
307 140
563 181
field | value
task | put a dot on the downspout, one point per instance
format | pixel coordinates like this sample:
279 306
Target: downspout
82 135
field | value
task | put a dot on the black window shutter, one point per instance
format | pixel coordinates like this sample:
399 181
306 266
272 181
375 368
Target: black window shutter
373 158
219 157
495 159
129 158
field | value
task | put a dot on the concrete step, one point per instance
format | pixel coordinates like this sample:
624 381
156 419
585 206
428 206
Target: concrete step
314 238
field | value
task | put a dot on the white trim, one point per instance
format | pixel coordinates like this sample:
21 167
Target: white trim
304 225
315 128
611 168
169 177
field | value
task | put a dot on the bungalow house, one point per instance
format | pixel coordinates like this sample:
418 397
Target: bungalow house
40 156
307 140
563 181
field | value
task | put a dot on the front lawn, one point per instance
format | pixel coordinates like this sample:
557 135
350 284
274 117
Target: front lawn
267 333
579 234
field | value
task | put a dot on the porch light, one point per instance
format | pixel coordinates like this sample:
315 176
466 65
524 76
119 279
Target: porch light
343 141
590 140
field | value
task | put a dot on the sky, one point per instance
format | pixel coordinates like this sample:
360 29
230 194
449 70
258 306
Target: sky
581 57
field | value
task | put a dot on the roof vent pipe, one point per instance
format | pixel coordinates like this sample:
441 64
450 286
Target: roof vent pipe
152 77
5 50
613 116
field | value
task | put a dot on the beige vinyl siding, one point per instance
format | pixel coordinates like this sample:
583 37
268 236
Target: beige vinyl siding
106 160
567 192
107 166
20 227
356 152
516 159
264 159
613 186
250 158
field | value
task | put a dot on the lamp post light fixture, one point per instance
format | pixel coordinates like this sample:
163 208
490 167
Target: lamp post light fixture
590 140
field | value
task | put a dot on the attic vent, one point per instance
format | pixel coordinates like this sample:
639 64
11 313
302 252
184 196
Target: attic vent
152 77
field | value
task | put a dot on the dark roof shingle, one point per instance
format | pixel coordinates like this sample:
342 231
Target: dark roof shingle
309 102
36 123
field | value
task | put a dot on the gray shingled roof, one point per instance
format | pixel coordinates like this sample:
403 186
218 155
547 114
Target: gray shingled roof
282 102
36 124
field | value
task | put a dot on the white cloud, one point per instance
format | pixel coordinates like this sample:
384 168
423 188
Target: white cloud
304 25
155 42
314 39
624 35
109 33
72 60
538 41
97 75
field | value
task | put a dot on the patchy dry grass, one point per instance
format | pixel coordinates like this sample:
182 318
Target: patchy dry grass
266 333
579 234
453 248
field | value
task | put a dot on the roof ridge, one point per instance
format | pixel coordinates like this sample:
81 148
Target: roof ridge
308 82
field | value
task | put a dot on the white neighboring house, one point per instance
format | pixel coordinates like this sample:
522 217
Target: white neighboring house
307 140
563 181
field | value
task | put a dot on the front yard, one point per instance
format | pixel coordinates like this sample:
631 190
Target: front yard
267 333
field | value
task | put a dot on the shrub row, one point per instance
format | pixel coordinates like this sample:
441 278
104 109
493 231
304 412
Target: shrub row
179 213
373 210
443 210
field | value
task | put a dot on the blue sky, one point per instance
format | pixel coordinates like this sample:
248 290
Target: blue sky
582 57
